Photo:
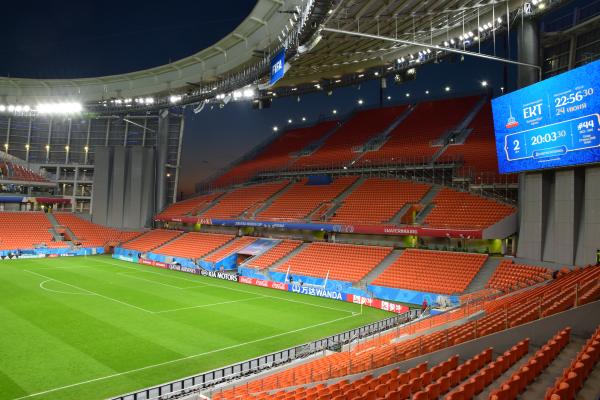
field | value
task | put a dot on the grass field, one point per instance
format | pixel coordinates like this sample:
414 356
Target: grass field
93 327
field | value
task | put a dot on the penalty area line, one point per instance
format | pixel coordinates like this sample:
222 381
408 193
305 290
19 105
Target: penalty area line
102 378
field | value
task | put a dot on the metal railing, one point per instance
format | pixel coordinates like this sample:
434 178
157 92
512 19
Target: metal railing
257 365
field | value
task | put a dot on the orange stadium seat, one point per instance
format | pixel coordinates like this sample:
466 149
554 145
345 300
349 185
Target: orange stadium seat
25 230
410 142
339 149
151 240
237 201
377 200
230 248
344 262
454 209
301 199
277 155
93 235
432 271
274 254
194 245
510 276
189 206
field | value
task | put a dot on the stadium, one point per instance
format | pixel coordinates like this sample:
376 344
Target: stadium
312 199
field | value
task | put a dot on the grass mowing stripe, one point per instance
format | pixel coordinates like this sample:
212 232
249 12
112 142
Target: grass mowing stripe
116 349
232 289
181 359
209 305
89 291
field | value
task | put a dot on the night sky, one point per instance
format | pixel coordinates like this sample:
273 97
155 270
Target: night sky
65 39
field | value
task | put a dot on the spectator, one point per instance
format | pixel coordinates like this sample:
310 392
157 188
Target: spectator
424 306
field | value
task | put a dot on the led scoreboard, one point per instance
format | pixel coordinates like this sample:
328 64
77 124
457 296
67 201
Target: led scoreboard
550 124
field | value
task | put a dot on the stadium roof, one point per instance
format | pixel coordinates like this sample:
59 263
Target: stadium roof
315 53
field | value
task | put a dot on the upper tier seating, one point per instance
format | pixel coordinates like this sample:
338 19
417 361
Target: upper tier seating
509 276
189 206
478 153
338 148
274 254
454 209
410 141
432 271
16 172
233 204
151 240
301 199
377 200
230 248
391 348
25 230
344 262
276 155
194 245
90 234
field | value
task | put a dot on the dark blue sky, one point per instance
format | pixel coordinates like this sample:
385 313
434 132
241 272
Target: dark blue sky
68 38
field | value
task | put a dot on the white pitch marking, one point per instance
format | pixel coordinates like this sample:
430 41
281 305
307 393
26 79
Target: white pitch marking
209 305
181 359
128 274
60 291
91 292
232 289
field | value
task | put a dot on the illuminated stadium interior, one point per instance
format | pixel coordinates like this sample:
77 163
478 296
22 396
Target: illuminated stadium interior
301 199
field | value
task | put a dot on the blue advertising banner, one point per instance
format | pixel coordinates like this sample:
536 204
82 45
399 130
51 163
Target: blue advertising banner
553 123
277 67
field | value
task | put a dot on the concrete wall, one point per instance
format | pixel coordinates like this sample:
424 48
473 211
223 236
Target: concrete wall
560 216
124 187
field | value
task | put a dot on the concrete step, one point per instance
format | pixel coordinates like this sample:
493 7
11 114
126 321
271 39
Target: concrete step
376 142
56 225
210 205
423 213
338 201
486 392
378 270
591 387
537 389
55 235
314 146
396 219
484 274
270 200
167 242
287 257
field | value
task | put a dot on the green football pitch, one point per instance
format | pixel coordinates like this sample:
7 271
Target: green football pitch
93 327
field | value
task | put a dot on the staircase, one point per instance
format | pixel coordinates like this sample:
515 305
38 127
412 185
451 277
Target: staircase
433 191
314 146
484 274
397 219
269 201
287 257
165 243
376 142
56 226
338 201
210 205
378 270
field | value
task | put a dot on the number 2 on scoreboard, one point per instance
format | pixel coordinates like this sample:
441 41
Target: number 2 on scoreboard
517 146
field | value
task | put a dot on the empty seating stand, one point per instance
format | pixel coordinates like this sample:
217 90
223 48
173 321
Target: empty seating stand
25 230
509 276
151 240
189 206
277 155
17 172
93 235
340 148
454 209
233 204
344 262
377 200
302 198
410 142
230 248
432 271
194 245
274 254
